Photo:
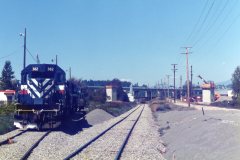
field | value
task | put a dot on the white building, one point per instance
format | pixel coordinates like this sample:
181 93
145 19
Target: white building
111 92
7 96
131 94
207 96
230 93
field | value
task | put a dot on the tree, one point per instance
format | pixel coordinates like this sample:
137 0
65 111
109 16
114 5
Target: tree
7 76
236 82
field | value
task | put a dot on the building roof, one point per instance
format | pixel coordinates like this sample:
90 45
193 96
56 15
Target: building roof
8 91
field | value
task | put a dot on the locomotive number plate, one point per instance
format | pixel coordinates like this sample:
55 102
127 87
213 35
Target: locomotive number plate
34 68
51 69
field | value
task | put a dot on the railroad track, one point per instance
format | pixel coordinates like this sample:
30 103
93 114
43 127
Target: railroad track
121 149
6 141
22 148
29 151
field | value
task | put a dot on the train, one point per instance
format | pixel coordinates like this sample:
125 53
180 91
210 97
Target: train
45 98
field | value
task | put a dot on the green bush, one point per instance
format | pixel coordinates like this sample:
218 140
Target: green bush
6 118
7 109
6 123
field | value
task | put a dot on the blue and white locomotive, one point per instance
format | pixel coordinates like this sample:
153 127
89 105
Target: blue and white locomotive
45 97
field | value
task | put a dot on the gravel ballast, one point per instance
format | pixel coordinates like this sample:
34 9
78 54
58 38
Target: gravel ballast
144 143
97 116
20 146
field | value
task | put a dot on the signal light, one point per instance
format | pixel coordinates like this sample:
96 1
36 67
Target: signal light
24 91
61 91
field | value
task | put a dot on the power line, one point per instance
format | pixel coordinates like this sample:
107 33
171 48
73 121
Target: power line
224 33
228 28
31 55
221 24
198 21
204 20
210 26
8 55
11 53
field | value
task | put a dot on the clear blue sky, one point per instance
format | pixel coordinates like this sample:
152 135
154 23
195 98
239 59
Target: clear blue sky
126 39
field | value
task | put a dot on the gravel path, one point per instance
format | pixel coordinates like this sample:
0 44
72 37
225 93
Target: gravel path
20 147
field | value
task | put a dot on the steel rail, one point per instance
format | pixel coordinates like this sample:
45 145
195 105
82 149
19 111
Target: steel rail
118 156
28 153
98 136
6 141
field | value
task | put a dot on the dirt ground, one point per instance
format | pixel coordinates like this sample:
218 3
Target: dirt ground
189 134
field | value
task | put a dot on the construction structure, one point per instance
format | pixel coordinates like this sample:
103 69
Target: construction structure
207 91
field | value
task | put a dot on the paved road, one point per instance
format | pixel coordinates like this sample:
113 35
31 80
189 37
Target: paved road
190 135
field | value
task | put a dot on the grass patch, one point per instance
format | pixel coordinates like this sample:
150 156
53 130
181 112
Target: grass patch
6 118
7 109
6 123
159 105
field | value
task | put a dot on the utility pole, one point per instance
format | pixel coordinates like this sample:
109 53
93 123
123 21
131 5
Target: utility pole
163 89
174 73
188 87
168 84
38 60
56 59
24 47
191 90
180 86
70 74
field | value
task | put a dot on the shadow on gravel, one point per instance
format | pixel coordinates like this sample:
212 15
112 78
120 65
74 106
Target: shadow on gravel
212 119
73 127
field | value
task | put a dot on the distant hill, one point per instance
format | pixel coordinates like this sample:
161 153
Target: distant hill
225 83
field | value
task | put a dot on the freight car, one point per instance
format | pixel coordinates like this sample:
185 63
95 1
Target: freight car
45 97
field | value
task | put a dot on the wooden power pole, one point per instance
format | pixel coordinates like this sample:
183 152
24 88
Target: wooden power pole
174 74
187 70
168 84
191 84
25 48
